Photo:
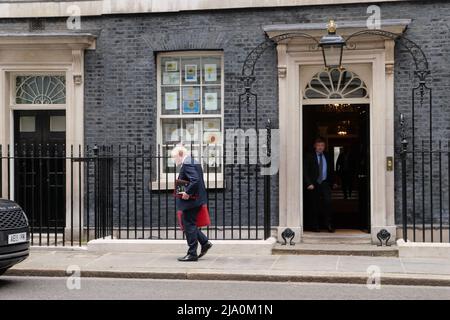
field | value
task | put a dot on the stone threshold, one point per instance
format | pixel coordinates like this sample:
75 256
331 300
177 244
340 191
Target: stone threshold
336 250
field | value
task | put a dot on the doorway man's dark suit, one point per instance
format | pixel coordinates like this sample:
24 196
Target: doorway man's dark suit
321 195
192 171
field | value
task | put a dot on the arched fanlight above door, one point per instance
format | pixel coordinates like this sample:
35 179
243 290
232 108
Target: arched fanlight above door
336 84
40 89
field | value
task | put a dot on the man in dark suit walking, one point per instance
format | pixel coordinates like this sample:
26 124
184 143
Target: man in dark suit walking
318 176
190 202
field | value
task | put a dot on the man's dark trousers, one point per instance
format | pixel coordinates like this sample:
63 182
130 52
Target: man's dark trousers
321 203
193 233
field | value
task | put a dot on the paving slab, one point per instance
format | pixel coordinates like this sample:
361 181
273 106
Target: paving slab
123 260
426 266
58 259
306 263
243 262
362 264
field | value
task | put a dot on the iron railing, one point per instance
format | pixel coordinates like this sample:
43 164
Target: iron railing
73 195
425 191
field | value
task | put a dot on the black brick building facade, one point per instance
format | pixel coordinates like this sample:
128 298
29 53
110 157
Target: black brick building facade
120 74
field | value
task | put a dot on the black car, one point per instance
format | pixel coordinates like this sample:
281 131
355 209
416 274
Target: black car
14 235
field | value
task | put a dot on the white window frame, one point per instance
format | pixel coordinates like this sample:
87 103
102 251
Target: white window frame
167 180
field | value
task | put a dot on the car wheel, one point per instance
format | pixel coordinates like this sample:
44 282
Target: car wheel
2 271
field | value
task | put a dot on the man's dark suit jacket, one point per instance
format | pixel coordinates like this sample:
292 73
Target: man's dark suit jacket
192 171
311 169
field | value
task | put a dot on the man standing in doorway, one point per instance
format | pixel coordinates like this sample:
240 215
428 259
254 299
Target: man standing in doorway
318 176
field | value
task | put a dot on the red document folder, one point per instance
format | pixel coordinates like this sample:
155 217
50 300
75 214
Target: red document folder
203 218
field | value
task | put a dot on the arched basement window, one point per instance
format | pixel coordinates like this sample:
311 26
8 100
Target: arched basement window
336 84
40 89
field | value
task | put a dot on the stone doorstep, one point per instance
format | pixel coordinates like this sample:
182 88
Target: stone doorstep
336 249
423 250
335 238
239 247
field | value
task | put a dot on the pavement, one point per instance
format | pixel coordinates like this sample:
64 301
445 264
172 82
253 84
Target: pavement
275 268
62 288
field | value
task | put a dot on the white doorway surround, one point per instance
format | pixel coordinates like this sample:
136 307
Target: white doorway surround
372 58
60 54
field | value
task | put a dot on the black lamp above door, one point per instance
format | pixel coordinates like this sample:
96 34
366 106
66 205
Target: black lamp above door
332 46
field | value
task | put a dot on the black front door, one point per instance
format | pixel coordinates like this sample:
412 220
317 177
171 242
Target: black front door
346 129
40 177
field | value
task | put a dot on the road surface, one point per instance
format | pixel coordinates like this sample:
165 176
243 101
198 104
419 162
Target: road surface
107 288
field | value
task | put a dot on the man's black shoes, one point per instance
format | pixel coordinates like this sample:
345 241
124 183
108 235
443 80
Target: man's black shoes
205 249
188 258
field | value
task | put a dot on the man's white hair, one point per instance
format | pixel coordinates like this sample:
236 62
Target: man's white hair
179 150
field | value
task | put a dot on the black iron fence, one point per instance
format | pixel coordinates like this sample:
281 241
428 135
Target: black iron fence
73 195
425 187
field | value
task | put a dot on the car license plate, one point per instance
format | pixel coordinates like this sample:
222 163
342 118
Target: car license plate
17 238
